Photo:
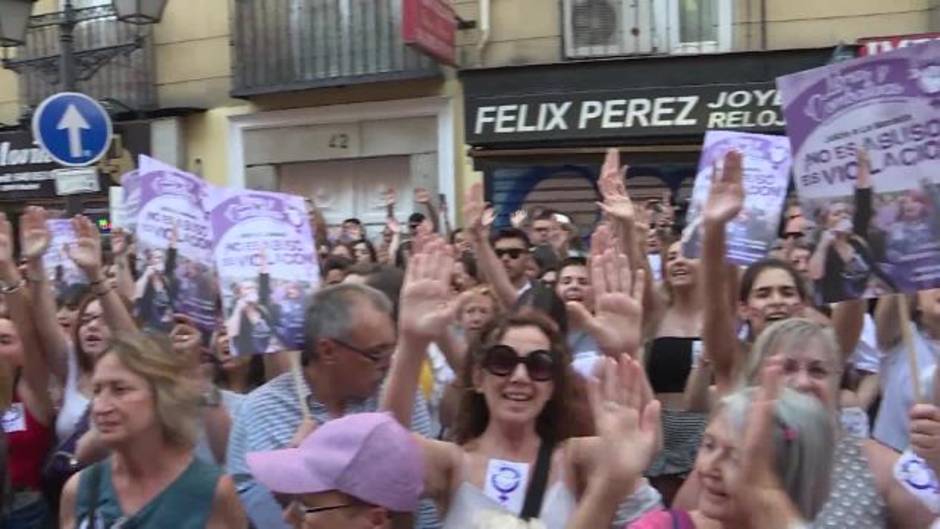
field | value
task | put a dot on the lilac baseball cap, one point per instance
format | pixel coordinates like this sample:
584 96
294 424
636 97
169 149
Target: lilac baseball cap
368 456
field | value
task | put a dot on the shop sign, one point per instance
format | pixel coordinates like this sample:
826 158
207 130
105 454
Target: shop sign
876 45
430 26
628 113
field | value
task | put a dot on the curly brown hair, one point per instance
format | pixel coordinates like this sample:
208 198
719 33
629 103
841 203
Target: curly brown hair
561 418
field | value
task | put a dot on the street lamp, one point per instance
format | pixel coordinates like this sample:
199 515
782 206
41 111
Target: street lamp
72 66
139 11
14 19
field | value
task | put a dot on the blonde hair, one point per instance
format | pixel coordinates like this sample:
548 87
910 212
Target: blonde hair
783 335
176 397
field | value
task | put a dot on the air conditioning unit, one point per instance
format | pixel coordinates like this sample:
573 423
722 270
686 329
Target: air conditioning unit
600 28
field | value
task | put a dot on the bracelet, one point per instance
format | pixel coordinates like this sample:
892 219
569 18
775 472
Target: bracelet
9 289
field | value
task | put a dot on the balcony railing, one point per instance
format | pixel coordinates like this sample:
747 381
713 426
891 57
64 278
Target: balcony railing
283 45
111 68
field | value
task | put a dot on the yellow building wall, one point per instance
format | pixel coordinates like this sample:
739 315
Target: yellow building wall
529 31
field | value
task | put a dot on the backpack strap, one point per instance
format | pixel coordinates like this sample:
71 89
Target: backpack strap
536 491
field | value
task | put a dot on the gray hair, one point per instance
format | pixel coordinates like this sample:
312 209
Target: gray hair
330 315
783 335
804 438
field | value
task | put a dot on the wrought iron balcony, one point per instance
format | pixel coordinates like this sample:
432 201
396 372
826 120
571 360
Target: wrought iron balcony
114 59
284 45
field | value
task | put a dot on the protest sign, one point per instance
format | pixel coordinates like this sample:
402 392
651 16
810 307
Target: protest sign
267 266
766 162
60 269
884 236
174 246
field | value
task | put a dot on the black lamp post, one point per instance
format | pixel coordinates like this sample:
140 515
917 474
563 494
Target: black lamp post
73 66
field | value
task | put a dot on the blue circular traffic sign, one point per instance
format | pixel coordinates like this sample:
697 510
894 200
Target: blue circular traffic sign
73 128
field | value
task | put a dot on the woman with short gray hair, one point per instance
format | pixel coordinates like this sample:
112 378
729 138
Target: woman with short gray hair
802 436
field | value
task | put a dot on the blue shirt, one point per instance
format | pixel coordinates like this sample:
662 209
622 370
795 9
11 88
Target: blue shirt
267 420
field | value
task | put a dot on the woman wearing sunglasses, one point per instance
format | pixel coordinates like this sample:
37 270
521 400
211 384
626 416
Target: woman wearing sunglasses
515 448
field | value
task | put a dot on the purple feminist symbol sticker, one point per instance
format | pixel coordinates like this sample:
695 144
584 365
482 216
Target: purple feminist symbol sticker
506 480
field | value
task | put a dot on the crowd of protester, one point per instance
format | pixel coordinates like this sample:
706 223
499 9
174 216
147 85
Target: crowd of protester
488 376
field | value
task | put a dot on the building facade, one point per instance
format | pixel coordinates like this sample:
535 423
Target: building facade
545 97
323 98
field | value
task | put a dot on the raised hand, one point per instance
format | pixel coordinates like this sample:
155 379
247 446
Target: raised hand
618 299
726 196
34 233
756 488
390 196
86 251
6 243
422 196
863 181
473 209
489 216
616 201
427 306
517 219
174 235
925 427
627 419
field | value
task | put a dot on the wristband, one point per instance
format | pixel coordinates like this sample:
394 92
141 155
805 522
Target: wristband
913 473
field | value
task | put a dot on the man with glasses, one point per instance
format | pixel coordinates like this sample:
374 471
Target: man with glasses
349 341
511 246
359 471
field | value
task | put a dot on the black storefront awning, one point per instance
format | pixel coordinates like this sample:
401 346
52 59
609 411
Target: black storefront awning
642 100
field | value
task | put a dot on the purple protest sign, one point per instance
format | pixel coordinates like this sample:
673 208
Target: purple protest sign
767 163
267 266
174 246
880 236
60 269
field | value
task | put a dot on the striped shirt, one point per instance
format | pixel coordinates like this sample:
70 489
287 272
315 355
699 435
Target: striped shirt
269 418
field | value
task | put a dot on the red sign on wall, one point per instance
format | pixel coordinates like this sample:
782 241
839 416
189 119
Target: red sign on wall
876 45
430 26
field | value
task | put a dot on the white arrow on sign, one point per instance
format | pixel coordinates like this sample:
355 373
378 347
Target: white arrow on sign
74 122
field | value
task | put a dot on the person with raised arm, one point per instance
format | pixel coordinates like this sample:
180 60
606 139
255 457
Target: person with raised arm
28 421
71 357
769 290
514 425
157 288
845 261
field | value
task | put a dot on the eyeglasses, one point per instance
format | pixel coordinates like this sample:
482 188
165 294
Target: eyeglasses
313 510
793 235
513 253
374 356
501 360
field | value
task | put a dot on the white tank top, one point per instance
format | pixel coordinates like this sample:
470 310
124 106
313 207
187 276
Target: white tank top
74 403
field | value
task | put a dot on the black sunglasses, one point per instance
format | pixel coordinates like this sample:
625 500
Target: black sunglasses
513 253
793 235
501 360
313 510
